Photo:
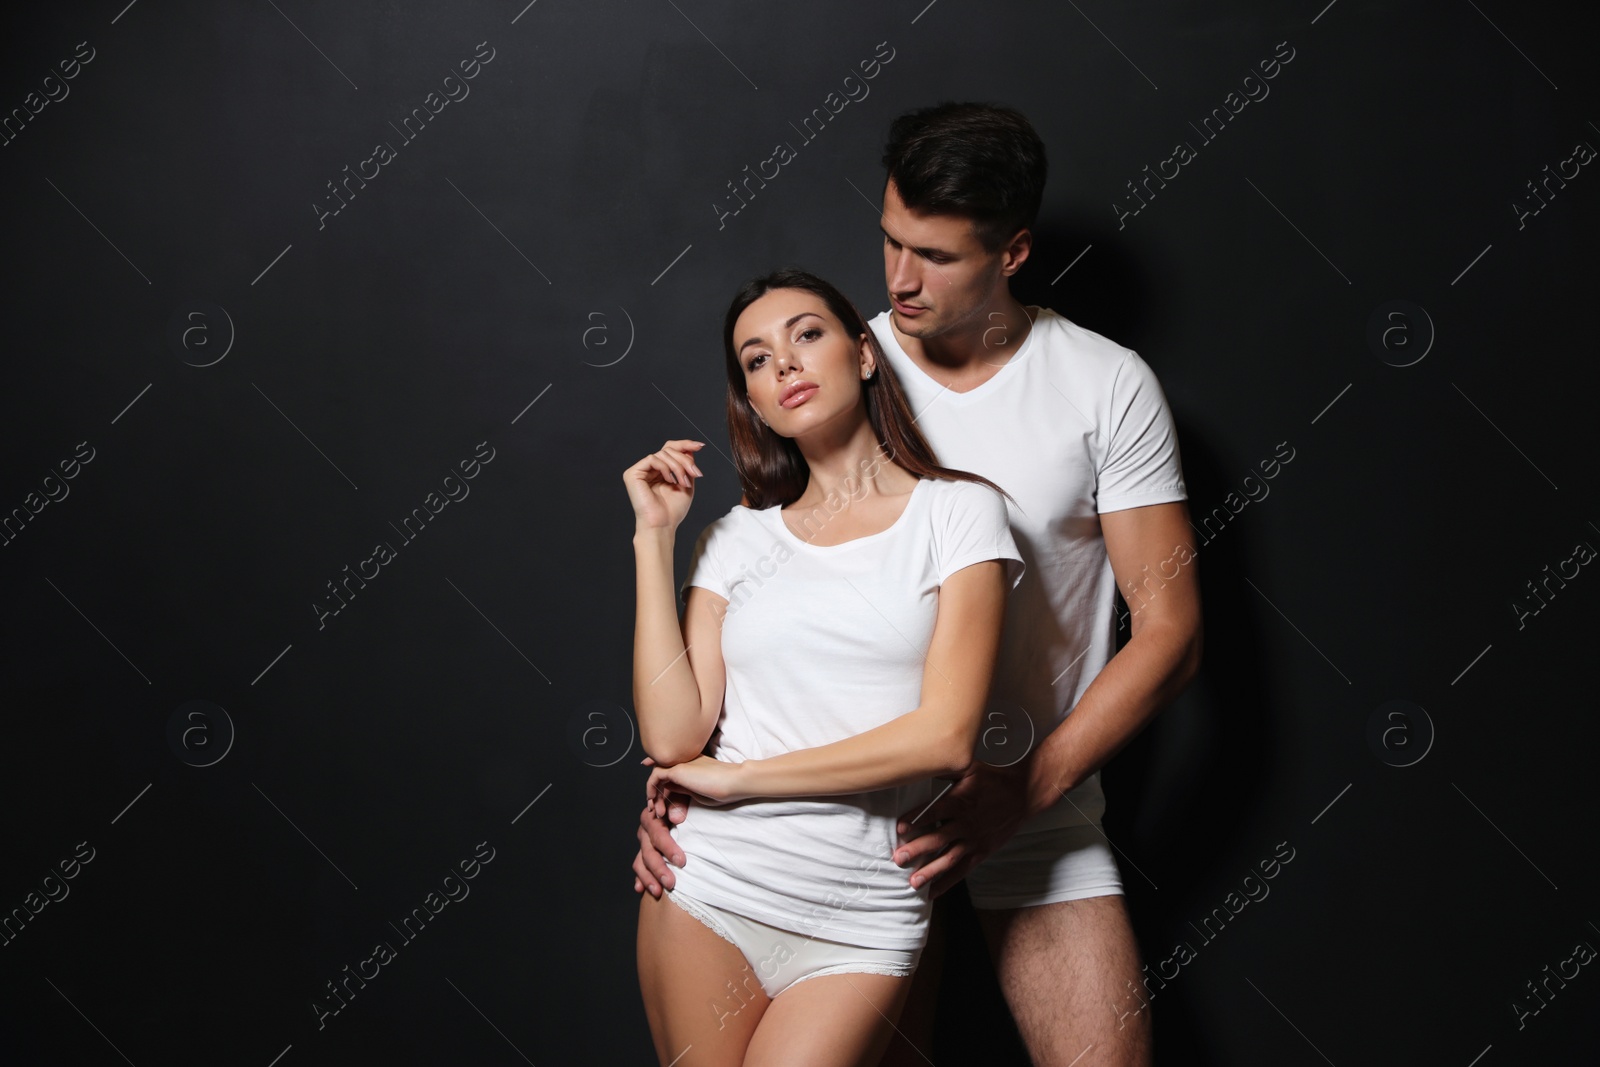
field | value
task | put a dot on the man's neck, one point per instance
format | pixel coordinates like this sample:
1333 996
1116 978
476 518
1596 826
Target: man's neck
975 353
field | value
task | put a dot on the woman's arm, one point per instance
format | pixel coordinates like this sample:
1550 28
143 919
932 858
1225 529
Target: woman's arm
938 736
678 674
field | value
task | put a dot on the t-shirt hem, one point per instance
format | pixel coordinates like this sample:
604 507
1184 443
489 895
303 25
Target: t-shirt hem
1136 500
982 556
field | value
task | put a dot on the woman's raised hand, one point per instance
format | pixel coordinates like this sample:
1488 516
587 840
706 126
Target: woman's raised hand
661 485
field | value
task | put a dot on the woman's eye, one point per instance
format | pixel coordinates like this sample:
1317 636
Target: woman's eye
811 330
752 364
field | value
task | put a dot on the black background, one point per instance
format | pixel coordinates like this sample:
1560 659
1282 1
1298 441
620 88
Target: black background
541 268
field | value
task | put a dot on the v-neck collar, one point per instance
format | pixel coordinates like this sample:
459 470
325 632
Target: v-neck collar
994 380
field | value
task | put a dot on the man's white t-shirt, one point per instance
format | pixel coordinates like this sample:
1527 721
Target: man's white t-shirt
822 642
1073 426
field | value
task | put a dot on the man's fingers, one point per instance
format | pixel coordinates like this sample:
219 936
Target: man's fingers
957 872
642 879
915 823
659 847
917 850
654 863
938 866
644 885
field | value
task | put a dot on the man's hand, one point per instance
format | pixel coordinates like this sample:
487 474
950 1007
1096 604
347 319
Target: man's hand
974 817
656 845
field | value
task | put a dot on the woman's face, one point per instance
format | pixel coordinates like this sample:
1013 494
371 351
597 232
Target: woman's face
801 368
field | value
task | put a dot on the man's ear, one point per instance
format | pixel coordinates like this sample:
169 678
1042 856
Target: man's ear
1017 252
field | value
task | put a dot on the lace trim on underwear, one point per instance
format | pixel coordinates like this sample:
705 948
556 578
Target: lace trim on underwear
694 908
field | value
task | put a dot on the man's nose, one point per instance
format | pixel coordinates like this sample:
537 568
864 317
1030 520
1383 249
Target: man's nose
902 273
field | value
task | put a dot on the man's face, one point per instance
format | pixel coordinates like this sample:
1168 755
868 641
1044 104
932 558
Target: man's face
939 276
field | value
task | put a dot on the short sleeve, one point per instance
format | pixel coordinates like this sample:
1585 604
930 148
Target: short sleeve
705 563
976 527
1141 464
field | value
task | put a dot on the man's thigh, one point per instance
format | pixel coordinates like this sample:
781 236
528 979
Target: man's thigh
1052 911
1070 972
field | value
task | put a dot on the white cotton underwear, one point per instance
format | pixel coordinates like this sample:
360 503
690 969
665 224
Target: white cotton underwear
1045 867
781 958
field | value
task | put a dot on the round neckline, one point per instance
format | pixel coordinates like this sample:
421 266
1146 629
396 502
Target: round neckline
776 511
971 394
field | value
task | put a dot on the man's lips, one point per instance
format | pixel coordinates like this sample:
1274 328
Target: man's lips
906 309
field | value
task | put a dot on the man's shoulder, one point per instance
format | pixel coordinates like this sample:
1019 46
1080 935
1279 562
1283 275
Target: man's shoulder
1059 333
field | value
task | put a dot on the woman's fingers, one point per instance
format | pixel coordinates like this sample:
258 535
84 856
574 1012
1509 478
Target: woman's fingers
671 470
664 470
689 448
673 463
657 463
677 455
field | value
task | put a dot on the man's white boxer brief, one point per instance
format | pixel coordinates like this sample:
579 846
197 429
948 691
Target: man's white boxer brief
781 958
1044 867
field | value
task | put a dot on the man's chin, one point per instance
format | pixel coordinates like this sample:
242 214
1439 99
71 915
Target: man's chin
913 325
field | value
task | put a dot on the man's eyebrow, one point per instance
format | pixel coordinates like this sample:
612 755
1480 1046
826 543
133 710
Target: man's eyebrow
792 319
918 251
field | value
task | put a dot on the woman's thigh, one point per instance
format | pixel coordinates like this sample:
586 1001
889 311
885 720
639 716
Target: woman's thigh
833 1020
701 996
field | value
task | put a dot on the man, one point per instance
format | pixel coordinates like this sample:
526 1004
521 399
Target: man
1077 429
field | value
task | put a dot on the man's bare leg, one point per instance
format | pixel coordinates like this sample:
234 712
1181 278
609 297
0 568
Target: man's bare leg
1071 975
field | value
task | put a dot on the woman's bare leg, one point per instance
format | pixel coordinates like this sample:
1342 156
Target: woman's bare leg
836 1020
911 1043
701 996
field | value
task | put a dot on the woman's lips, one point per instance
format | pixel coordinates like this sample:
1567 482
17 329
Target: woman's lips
800 396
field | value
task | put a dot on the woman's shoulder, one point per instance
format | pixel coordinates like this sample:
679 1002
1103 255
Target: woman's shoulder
959 492
730 522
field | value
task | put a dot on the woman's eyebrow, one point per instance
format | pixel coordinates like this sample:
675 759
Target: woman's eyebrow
788 323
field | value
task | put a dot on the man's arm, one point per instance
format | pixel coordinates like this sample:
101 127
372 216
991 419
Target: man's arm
1155 564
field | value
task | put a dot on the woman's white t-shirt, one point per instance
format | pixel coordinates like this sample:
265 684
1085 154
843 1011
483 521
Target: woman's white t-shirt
822 642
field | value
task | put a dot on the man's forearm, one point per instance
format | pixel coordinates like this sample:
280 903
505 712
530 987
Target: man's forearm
1154 666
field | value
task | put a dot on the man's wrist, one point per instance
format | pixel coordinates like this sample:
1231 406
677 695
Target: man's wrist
1045 790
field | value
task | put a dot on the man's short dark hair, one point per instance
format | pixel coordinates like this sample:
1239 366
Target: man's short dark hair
983 161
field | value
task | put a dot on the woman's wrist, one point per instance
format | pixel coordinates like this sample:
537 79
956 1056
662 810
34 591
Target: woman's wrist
745 778
653 536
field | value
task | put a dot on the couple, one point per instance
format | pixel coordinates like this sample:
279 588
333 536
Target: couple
845 624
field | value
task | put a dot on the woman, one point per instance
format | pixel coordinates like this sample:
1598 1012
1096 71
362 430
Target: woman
840 635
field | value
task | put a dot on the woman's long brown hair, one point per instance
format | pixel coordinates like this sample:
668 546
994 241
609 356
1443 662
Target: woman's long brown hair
771 468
